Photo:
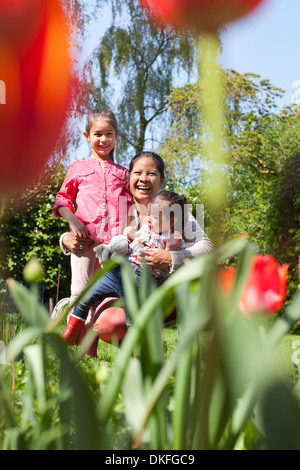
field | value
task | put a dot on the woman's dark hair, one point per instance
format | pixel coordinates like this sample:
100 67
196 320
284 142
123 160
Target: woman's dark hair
157 158
101 113
179 208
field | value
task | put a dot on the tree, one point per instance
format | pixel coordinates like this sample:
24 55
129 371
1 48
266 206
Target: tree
142 62
262 164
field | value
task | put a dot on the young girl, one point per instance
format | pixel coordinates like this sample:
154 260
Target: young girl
98 188
165 211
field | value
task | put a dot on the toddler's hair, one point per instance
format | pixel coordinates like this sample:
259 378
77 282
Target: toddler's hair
101 113
178 205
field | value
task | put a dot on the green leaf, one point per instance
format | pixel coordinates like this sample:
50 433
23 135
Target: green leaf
278 415
134 396
28 304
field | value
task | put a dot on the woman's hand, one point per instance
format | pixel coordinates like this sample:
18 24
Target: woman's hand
157 258
76 244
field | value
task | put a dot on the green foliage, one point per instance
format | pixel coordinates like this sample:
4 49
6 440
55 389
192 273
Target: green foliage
218 388
28 228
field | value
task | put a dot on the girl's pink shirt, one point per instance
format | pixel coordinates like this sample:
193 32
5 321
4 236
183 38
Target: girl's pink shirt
101 197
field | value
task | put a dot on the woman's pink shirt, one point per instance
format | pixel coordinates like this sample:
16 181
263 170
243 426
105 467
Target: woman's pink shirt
101 197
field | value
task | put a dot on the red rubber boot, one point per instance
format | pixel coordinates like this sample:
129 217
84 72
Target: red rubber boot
73 329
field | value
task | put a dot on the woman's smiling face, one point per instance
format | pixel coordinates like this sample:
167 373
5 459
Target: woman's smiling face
145 180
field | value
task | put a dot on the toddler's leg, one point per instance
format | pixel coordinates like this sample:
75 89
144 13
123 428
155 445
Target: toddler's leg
107 285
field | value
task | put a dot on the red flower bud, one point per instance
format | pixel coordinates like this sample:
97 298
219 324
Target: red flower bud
265 288
34 87
198 15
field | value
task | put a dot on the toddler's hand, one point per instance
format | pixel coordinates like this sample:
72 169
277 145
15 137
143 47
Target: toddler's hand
174 241
130 232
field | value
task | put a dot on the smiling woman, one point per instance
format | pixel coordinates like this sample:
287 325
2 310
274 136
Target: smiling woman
147 176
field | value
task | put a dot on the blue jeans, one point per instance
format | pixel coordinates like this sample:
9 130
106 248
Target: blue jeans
108 285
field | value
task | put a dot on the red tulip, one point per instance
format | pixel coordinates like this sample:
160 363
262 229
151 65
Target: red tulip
34 87
20 18
265 288
198 15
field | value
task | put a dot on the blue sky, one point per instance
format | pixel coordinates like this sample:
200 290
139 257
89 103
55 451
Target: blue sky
267 42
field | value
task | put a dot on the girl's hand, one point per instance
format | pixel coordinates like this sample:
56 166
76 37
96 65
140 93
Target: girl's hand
78 228
157 258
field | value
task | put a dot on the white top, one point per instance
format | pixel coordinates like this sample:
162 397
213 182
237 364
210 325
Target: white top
197 243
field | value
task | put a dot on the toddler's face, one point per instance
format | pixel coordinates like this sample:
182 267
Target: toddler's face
160 219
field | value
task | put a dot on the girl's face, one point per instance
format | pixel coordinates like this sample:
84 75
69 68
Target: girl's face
102 138
145 180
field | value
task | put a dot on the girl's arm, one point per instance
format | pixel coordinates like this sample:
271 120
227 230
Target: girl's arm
63 206
77 227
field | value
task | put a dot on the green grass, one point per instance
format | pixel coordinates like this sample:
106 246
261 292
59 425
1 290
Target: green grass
106 352
93 371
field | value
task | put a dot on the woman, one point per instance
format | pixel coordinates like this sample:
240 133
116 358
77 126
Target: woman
146 177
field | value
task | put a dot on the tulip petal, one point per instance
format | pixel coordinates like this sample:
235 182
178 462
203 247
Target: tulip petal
265 288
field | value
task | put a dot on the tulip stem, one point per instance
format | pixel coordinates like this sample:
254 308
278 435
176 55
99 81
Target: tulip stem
212 110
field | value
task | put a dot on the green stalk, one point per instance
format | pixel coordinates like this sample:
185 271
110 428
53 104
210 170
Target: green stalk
212 106
193 271
246 404
182 399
